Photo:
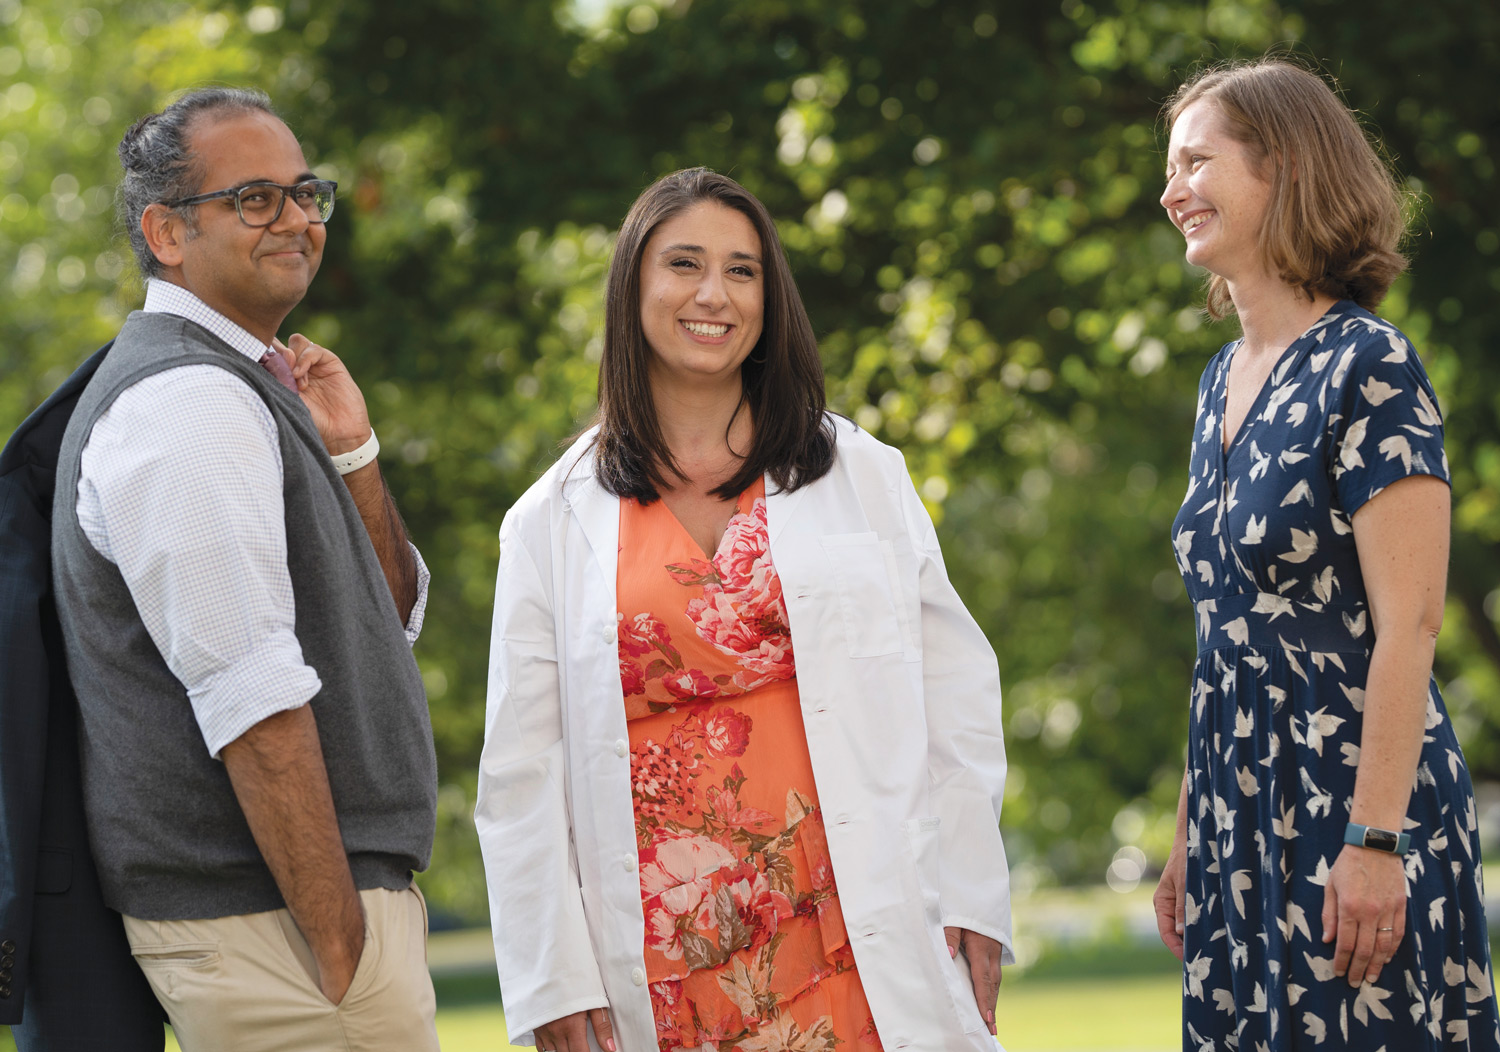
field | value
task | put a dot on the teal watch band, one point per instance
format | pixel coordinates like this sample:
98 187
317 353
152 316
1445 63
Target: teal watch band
1377 839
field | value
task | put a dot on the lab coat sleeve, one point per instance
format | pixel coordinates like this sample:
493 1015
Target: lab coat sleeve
966 743
543 952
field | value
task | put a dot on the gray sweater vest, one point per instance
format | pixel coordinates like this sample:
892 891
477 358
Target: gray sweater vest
168 834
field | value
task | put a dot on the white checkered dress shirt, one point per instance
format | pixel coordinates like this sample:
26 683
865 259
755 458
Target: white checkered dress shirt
180 487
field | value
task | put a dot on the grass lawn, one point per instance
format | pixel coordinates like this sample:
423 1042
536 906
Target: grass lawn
1131 1014
1035 1015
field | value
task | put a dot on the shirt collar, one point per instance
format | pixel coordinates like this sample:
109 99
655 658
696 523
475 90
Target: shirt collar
163 297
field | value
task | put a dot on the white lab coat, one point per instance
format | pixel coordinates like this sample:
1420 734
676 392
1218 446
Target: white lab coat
900 696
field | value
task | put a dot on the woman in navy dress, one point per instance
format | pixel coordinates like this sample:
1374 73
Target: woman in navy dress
1324 890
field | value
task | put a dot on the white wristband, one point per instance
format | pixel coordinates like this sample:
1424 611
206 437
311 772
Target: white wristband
357 458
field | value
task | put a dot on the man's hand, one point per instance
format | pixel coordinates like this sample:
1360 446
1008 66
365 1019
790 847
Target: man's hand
983 954
276 769
337 407
329 392
567 1034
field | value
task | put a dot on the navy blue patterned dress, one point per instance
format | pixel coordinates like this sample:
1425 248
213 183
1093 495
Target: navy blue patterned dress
1265 544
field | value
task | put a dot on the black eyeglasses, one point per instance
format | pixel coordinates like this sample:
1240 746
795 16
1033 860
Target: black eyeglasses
260 204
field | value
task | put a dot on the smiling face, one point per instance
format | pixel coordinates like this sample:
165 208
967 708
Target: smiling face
702 294
1217 193
252 276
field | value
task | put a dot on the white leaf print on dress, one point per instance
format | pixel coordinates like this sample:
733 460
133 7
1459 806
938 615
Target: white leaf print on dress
1302 491
1238 632
1258 1000
1255 532
1183 543
1480 988
1316 1028
1278 398
1367 1003
1275 605
1304 545
1377 392
1261 463
1317 800
1196 971
1284 826
1355 624
1397 447
1239 883
1224 1000
1426 413
1399 349
1435 912
1349 456
1248 784
1323 585
1244 723
1322 967
1345 360
1319 724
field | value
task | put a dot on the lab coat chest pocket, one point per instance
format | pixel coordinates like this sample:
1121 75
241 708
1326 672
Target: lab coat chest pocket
862 567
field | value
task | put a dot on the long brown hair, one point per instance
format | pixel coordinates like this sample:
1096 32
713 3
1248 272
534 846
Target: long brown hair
781 380
1336 217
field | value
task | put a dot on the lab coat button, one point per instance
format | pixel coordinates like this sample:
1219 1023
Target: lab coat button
630 865
841 820
621 748
638 976
611 634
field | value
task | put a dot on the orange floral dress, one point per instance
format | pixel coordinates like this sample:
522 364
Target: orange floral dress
745 943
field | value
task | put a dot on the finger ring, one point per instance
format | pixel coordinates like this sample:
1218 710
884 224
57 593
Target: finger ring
1385 929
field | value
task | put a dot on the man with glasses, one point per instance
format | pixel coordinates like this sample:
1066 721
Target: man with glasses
238 600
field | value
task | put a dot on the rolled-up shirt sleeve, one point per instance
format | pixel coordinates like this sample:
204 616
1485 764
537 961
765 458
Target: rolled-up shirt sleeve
180 488
419 609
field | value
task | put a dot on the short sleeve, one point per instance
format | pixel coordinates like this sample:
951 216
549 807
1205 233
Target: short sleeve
1384 422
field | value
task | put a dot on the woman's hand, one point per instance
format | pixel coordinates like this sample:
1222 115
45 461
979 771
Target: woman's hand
1171 890
983 954
567 1035
1364 908
1170 896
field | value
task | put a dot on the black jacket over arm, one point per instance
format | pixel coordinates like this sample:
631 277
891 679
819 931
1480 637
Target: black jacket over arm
67 980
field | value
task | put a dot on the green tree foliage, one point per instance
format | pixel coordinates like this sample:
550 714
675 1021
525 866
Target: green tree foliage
967 191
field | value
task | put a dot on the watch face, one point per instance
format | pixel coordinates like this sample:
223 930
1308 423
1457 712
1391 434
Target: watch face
1380 839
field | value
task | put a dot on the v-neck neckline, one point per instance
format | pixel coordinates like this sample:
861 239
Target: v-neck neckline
738 510
1291 356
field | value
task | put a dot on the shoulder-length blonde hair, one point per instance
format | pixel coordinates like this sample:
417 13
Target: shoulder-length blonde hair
1336 217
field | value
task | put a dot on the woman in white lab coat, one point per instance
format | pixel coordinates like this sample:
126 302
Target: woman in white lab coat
651 705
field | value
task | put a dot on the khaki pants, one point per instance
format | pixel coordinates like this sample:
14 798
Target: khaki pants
245 984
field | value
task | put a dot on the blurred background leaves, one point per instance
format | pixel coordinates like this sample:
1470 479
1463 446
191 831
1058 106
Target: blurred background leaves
967 191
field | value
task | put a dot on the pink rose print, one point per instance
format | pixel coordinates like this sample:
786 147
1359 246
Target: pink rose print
643 633
690 683
727 807
677 874
726 733
742 613
632 678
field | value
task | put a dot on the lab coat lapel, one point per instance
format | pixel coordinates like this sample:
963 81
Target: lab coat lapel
597 513
780 507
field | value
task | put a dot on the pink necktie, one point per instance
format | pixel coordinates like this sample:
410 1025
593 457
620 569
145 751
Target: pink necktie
276 365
